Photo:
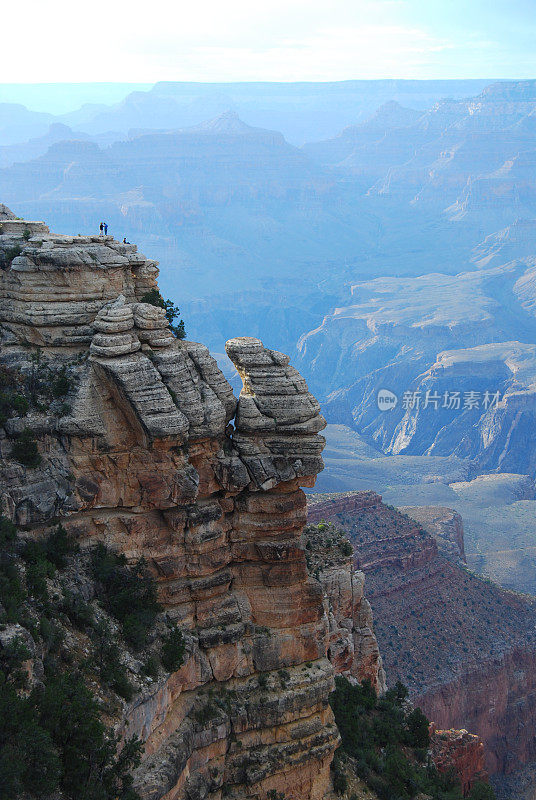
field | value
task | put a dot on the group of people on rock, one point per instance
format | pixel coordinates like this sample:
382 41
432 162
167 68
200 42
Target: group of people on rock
103 227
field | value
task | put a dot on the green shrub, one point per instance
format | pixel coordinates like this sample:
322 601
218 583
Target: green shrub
173 650
8 531
12 591
127 593
52 741
340 781
36 580
112 671
54 549
346 548
385 739
61 383
12 403
481 791
154 298
51 634
80 613
46 382
58 546
7 256
29 761
25 450
151 667
418 729
90 768
263 680
206 713
12 657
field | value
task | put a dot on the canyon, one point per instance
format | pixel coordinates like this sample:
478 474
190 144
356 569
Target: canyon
149 453
465 648
398 253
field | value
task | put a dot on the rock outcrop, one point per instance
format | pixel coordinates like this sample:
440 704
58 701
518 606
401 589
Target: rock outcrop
353 648
444 524
150 452
459 752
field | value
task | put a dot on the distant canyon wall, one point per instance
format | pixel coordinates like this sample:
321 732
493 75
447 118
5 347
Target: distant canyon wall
465 648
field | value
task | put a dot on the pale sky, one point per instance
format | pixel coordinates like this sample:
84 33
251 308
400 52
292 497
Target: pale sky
224 40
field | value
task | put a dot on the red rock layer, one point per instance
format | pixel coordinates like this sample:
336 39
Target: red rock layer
459 752
465 648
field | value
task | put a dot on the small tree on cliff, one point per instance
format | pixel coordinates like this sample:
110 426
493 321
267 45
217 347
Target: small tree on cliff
154 298
418 729
481 791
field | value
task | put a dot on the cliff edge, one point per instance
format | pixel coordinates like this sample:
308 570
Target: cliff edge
140 444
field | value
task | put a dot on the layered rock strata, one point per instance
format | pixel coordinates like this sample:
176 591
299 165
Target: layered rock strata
152 454
465 648
444 524
353 648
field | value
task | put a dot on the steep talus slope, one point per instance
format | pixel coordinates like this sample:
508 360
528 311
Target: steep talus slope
151 454
465 648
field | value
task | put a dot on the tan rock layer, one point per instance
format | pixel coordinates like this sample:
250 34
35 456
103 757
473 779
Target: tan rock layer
147 461
353 649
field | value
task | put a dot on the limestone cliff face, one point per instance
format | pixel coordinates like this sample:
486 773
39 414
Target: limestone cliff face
353 648
153 455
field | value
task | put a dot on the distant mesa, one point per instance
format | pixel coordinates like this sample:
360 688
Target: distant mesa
228 122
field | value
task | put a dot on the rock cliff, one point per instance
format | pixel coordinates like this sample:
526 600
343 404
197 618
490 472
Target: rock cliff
465 648
145 448
460 751
353 649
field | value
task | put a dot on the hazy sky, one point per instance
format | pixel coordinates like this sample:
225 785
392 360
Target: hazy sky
216 40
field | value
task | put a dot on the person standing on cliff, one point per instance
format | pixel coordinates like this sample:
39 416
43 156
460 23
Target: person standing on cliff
106 229
101 228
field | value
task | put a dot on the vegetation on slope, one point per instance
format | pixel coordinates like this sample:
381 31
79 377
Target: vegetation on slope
385 742
45 387
70 623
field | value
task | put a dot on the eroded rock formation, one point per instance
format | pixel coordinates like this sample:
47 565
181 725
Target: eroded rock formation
353 648
150 452
465 648
461 752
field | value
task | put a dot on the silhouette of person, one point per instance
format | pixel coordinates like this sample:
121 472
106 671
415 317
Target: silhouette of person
125 240
101 227
106 229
